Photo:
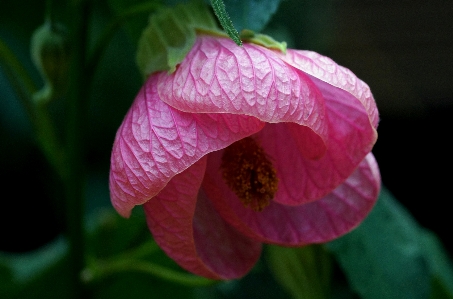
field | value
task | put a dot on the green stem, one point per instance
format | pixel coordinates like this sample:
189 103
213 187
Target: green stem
155 270
222 15
17 73
132 261
140 252
74 183
47 138
38 115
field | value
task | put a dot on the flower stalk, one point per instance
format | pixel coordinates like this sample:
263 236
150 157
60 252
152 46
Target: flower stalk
74 184
134 261
38 114
106 269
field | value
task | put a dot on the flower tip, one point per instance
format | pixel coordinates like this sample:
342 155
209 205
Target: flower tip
122 208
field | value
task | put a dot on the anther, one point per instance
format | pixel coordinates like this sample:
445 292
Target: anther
249 173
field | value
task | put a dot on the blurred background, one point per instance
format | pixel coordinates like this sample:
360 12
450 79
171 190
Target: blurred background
402 49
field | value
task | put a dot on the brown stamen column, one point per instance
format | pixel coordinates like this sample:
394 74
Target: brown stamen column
249 173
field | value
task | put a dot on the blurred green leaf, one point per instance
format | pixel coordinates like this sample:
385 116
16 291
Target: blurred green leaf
384 257
439 289
133 26
6 278
110 234
118 246
304 272
127 285
39 274
258 283
440 265
251 14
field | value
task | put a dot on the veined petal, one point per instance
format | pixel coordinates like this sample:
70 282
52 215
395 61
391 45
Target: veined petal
319 221
155 142
325 69
217 76
192 233
303 177
351 119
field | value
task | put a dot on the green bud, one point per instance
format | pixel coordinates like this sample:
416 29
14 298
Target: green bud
50 54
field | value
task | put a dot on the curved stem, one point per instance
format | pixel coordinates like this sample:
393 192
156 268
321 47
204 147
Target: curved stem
18 76
132 261
152 269
38 114
140 252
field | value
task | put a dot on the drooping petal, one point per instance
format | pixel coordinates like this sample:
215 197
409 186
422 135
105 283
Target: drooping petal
319 221
325 69
351 119
156 142
304 178
217 76
192 233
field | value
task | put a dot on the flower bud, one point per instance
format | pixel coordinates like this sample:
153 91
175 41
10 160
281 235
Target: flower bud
50 54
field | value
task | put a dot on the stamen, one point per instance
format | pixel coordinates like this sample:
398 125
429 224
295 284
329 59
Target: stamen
249 173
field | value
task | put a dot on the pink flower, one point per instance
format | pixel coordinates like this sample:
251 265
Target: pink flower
242 146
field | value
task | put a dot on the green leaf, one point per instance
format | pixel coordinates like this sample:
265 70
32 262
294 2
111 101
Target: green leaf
384 257
440 264
251 14
171 34
42 273
117 246
127 285
133 26
222 15
110 234
439 289
258 283
304 272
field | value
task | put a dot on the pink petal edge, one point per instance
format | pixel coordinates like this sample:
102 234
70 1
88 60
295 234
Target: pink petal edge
192 233
320 221
217 76
325 69
155 142
303 179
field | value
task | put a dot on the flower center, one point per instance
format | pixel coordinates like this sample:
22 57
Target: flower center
249 173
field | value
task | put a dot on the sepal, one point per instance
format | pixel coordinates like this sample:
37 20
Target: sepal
171 34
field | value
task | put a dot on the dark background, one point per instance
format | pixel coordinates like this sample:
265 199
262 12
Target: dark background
402 49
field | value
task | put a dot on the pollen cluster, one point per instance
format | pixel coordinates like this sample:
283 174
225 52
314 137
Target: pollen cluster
249 173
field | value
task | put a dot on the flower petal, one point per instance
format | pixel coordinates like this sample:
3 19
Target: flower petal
185 225
319 221
303 178
217 76
156 142
352 119
325 69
